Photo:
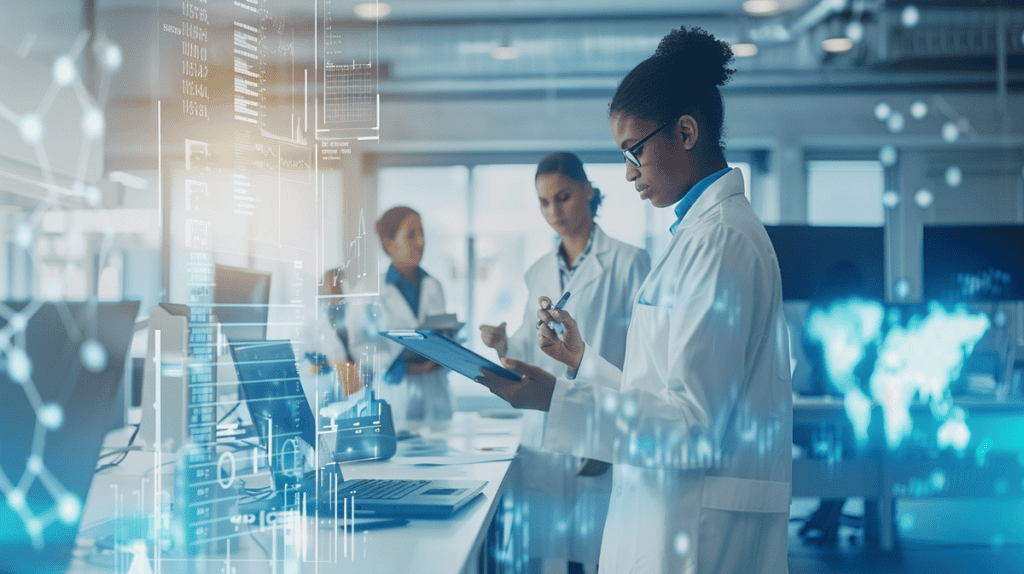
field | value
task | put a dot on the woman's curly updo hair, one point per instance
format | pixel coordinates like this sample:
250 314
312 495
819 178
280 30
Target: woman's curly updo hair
569 165
681 78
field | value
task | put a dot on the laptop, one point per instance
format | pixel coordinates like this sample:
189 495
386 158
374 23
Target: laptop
61 366
269 383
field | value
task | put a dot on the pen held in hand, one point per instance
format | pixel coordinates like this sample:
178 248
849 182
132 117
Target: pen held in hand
554 325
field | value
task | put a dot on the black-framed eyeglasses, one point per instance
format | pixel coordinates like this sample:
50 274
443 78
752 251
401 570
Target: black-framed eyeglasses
631 152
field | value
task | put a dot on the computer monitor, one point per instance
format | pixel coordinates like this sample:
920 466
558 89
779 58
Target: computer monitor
241 299
270 387
823 263
973 263
60 375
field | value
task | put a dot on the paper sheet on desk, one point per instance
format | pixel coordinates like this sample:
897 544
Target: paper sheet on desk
452 460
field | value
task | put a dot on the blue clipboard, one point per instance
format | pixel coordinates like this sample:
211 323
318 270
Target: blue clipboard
448 353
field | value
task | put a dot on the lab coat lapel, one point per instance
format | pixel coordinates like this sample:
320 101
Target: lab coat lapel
727 186
546 277
592 267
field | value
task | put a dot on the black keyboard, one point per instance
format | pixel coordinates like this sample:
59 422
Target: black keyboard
382 489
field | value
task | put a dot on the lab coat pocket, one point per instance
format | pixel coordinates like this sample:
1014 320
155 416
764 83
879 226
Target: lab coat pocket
646 367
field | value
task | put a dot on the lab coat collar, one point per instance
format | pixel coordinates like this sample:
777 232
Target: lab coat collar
725 187
590 270
545 270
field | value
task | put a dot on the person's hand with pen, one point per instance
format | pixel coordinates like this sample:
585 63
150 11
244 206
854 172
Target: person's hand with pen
534 388
565 347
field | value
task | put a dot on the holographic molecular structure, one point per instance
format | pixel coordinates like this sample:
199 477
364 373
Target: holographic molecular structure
66 507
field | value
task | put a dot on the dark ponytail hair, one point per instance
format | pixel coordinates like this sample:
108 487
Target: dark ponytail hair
569 165
681 78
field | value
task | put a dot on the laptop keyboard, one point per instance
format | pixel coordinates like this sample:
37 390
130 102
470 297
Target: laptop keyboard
383 489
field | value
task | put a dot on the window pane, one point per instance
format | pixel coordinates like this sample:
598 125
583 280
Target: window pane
511 234
622 213
844 193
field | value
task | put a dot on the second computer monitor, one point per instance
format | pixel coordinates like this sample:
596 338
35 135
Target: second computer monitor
241 299
824 263
973 263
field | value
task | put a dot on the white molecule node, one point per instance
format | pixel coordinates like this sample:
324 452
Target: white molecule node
918 110
93 355
92 124
910 16
895 122
906 522
112 57
682 544
902 288
34 464
51 416
891 199
31 128
34 527
954 176
610 404
69 508
64 71
855 31
19 366
24 236
18 322
924 198
887 155
93 195
950 132
1000 318
16 499
629 409
882 111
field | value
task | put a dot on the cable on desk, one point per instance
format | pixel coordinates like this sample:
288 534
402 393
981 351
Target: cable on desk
123 452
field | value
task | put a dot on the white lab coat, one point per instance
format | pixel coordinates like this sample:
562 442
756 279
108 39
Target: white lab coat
420 396
699 421
566 513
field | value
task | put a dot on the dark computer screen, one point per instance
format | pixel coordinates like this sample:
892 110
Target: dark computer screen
973 263
821 263
269 383
241 299
59 372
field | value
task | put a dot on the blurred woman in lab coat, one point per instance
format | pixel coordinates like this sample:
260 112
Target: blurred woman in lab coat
566 498
698 422
415 388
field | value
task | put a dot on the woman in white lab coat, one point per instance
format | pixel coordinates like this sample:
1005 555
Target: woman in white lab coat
566 498
698 423
416 389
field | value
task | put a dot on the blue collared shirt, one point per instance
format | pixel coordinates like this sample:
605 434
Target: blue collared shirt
693 195
410 289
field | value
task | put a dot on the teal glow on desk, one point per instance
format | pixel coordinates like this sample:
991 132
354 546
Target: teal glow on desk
428 545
